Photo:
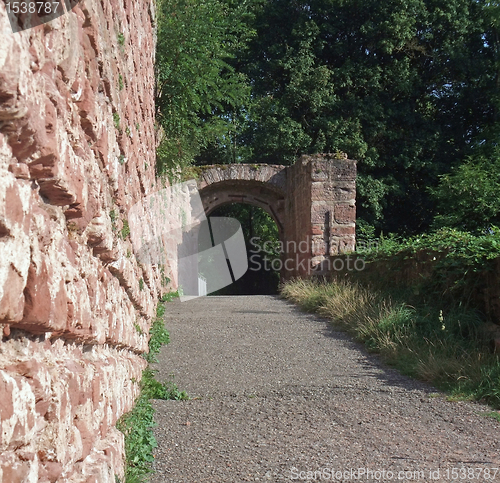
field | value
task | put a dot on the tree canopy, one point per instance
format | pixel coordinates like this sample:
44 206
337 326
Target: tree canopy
195 83
408 88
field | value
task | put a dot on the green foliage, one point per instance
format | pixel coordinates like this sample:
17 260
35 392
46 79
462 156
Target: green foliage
137 427
121 38
166 390
169 296
458 259
120 82
125 232
468 197
164 283
409 90
196 86
141 284
261 235
116 121
255 222
113 216
469 250
138 424
158 335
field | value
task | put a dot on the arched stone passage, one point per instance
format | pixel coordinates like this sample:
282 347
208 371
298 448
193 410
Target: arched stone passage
312 202
252 193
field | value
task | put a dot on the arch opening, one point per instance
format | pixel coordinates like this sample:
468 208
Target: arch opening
262 240
262 195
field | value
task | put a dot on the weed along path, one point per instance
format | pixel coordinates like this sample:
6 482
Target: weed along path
278 395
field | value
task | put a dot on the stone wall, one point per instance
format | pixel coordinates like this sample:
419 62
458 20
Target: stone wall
77 150
262 185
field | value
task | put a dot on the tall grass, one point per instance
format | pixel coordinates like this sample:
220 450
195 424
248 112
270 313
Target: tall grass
443 346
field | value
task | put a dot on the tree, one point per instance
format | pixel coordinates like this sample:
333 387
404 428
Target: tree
468 197
195 84
409 88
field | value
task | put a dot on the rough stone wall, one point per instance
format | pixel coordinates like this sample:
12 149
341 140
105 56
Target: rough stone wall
259 185
320 210
77 150
298 230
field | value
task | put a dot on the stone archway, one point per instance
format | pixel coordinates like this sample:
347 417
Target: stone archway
312 202
263 186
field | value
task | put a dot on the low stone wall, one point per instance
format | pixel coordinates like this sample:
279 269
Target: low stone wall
77 150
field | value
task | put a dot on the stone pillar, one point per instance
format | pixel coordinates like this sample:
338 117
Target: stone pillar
320 212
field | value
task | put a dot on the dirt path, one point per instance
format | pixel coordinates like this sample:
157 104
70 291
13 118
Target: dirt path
278 393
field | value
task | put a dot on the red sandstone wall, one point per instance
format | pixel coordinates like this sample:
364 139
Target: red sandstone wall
298 218
77 150
320 209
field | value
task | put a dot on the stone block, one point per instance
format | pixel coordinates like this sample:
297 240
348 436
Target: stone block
342 230
320 212
344 213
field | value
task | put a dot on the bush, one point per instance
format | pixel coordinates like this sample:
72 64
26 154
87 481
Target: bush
468 196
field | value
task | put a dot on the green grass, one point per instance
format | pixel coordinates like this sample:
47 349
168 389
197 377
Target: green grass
442 346
138 424
492 414
116 121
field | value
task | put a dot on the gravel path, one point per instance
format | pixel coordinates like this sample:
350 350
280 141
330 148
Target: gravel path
278 393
